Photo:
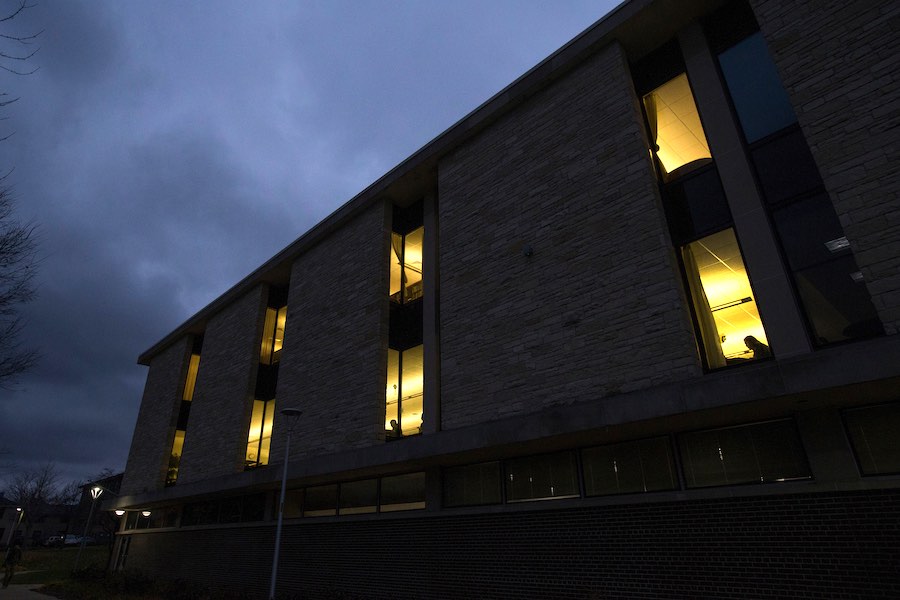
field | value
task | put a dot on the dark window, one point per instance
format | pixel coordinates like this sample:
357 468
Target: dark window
403 492
253 508
230 510
293 504
320 501
359 497
472 485
640 466
758 453
785 167
873 432
759 99
542 477
696 205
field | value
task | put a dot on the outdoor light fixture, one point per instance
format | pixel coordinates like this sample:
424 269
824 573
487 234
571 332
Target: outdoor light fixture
119 512
145 513
96 492
290 415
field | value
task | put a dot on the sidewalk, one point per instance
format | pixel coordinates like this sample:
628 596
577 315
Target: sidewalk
22 592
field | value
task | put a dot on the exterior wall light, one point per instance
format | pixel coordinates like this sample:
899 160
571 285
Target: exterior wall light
119 512
145 513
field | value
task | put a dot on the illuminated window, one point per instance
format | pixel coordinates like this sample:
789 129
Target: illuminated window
724 305
260 436
406 266
545 477
758 453
873 434
184 410
403 396
640 466
675 128
273 335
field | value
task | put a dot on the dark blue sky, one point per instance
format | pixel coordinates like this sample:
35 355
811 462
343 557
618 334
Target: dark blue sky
166 149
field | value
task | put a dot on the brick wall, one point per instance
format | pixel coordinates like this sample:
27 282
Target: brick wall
840 62
834 545
215 441
151 444
334 360
568 174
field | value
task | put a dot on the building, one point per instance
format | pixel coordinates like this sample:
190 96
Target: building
628 329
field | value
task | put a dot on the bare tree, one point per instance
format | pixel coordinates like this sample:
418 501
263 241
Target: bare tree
35 491
18 258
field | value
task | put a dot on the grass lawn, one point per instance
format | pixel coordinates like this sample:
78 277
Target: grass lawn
50 565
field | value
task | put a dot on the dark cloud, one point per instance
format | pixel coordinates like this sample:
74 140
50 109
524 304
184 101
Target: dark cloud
166 149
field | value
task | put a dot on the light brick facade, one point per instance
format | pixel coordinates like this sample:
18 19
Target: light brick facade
564 346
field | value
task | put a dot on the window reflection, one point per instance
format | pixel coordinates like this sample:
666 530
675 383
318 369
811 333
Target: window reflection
675 127
725 308
759 99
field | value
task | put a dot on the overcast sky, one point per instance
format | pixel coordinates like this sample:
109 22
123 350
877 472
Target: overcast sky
166 149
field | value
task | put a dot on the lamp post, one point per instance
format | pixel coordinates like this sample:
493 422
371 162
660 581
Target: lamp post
290 415
96 491
16 526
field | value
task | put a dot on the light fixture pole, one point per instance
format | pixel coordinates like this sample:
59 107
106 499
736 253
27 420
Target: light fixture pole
96 491
16 526
290 415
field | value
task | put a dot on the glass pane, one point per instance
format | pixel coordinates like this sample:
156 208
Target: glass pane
266 440
541 477
254 508
320 501
837 302
396 266
403 492
641 466
265 348
756 91
873 434
675 127
191 379
359 497
810 232
230 510
785 167
293 504
175 457
412 388
696 205
256 426
278 342
758 453
412 264
472 485
724 306
392 395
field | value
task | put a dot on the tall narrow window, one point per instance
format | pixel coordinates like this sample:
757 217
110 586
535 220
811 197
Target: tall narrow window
403 400
406 265
831 287
260 437
184 410
724 306
273 335
404 391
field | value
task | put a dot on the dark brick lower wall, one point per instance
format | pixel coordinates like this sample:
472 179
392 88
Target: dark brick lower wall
836 545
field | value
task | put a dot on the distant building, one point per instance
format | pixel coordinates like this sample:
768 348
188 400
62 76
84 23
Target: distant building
629 329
